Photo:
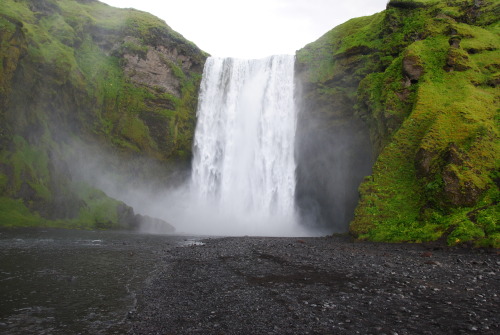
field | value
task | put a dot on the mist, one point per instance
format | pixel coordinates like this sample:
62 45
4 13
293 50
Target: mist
264 173
169 195
334 153
242 177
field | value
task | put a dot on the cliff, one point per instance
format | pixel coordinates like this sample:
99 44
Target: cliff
397 138
421 79
76 77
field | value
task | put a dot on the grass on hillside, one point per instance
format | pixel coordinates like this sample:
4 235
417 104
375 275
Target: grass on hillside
444 109
75 71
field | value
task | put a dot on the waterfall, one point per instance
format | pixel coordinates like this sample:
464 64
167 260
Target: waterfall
243 166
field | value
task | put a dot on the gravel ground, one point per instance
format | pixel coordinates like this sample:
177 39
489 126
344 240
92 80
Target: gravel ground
251 285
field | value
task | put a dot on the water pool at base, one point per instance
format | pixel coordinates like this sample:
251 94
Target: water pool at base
74 282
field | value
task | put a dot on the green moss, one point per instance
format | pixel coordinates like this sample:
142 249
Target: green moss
447 110
3 183
395 230
356 34
18 10
58 28
487 219
477 38
448 114
71 83
99 211
176 70
132 47
30 162
489 14
135 130
16 214
464 230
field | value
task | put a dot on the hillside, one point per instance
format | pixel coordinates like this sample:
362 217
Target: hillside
421 78
79 77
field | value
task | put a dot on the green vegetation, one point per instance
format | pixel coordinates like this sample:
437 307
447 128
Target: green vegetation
422 75
16 214
69 70
425 76
99 211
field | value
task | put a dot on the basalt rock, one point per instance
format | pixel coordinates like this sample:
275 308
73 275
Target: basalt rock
155 225
457 60
424 161
412 68
454 42
157 67
457 191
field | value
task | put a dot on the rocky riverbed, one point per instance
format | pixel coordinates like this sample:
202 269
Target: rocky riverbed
80 282
251 285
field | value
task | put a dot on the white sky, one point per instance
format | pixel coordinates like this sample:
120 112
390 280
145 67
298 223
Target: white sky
253 29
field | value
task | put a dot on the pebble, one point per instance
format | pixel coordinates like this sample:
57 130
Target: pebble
249 284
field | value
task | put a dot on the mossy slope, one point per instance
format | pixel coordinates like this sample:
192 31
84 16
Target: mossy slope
79 71
424 76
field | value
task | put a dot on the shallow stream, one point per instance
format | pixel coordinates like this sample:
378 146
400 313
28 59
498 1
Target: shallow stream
74 282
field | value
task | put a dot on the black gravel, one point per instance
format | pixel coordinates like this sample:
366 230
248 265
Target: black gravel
251 285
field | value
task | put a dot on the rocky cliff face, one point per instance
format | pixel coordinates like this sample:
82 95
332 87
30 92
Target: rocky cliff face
77 76
421 79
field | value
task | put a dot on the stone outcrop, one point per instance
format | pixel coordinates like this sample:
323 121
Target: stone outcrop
156 67
412 68
457 60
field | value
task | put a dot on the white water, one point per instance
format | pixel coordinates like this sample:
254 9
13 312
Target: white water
243 175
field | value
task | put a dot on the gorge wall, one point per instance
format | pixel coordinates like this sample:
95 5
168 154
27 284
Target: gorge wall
80 80
419 81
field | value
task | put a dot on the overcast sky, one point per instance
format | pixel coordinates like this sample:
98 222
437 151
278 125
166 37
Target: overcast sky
253 29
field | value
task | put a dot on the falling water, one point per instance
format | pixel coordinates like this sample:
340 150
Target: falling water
243 166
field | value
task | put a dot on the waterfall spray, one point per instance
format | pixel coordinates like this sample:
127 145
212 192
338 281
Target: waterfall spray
243 166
